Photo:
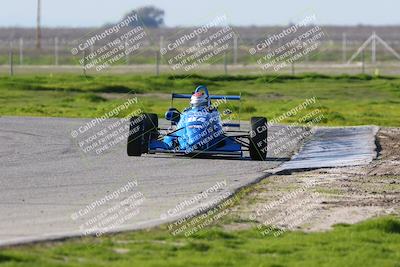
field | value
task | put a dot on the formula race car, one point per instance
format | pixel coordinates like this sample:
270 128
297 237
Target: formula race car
198 130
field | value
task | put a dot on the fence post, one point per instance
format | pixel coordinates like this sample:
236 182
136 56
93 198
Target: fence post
225 64
293 73
363 62
84 62
157 63
235 48
344 47
11 62
126 53
56 51
161 42
373 49
21 51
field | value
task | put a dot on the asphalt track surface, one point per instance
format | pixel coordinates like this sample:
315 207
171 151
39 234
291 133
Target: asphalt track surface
51 187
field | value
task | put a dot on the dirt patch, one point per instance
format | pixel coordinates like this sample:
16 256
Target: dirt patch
316 200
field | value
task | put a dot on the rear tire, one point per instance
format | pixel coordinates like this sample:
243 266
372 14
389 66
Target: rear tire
258 138
134 146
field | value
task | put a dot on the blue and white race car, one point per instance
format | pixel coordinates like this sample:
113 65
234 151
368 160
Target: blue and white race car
198 130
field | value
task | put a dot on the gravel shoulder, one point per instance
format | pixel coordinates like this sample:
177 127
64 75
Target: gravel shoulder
315 200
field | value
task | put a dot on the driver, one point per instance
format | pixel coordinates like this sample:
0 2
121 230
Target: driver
198 99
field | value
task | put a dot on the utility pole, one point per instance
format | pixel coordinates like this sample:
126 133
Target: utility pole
38 30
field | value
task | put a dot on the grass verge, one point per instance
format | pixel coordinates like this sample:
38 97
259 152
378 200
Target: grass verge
372 243
343 100
375 242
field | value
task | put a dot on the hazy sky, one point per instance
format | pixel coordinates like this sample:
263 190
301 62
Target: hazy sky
189 12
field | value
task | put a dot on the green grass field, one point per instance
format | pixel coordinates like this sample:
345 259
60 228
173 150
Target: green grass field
375 242
372 243
343 100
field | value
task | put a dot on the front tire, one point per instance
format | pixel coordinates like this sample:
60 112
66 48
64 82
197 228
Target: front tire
150 127
258 138
141 130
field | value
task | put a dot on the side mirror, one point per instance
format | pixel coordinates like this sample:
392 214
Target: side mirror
173 115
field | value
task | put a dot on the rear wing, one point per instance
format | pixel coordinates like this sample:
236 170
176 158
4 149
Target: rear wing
188 96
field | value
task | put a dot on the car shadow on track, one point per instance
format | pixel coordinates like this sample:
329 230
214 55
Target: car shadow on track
216 157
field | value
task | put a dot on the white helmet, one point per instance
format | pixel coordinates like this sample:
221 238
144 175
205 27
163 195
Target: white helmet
198 99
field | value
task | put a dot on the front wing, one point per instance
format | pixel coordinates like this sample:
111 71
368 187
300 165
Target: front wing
230 148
